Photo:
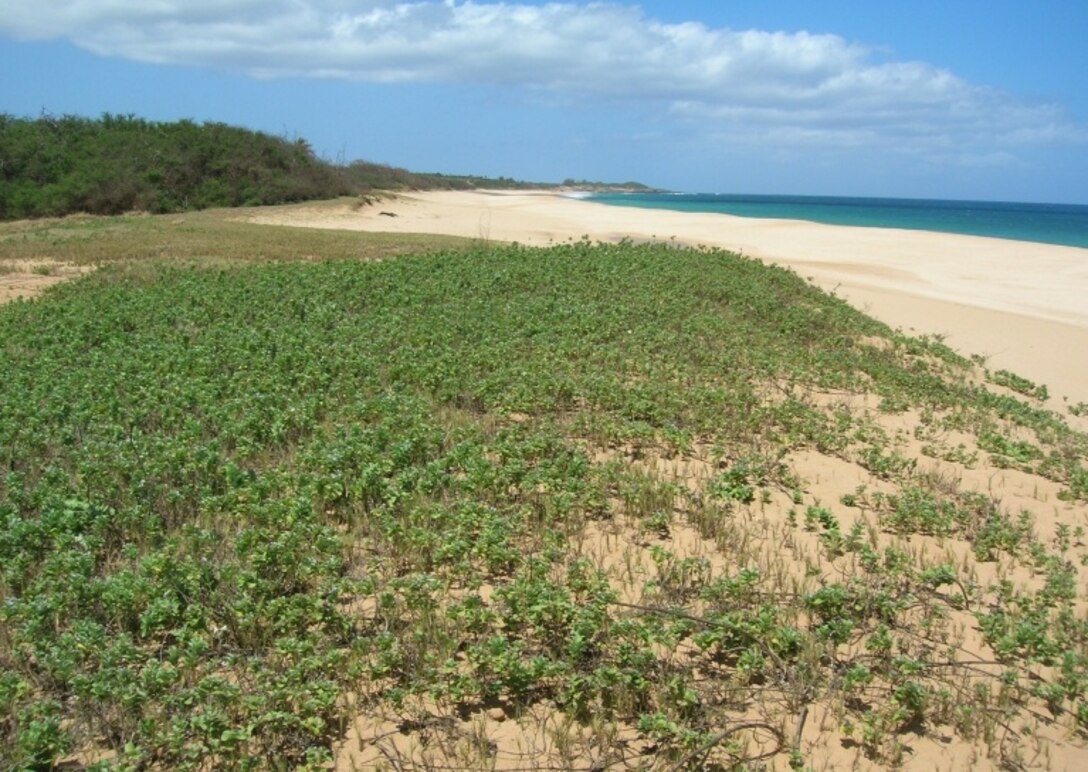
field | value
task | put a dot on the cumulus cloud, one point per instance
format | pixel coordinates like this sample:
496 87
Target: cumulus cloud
800 87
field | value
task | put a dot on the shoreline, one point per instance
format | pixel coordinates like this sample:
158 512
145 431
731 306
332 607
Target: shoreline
900 213
1022 305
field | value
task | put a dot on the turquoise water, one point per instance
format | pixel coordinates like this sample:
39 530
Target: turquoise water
1048 223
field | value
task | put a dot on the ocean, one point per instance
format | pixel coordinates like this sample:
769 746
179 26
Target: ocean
1065 224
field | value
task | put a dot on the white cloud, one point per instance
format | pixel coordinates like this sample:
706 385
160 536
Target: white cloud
795 88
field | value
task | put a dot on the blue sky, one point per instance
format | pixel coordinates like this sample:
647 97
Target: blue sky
932 98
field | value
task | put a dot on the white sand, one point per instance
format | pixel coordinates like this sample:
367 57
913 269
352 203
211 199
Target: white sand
1022 305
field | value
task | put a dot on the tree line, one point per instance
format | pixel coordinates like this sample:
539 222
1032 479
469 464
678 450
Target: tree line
52 166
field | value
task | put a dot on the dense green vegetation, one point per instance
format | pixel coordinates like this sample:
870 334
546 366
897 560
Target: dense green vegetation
54 166
240 506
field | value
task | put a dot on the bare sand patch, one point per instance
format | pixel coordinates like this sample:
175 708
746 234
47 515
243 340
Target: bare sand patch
29 278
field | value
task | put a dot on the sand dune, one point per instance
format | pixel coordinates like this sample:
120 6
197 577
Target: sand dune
1022 305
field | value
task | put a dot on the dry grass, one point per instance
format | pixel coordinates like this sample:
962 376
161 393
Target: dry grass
53 247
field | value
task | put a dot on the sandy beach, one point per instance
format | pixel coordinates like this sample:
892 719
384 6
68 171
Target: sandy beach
1022 305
